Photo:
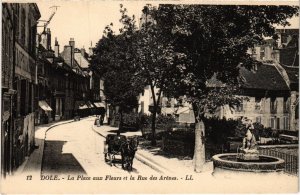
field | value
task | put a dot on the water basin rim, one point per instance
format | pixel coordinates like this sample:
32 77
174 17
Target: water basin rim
217 158
251 170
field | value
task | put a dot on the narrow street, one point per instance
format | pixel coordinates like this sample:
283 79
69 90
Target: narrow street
76 149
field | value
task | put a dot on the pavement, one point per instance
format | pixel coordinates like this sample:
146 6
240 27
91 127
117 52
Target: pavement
165 167
33 163
151 157
161 164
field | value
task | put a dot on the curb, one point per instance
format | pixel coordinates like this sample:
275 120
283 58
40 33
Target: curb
148 163
154 165
43 142
23 166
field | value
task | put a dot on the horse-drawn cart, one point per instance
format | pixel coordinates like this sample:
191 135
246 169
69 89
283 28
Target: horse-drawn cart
120 145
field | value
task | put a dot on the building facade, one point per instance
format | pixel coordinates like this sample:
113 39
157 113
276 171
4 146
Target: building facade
8 93
270 91
19 80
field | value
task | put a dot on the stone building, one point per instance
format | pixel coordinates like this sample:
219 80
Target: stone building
271 88
284 55
95 96
19 80
8 93
292 80
268 98
79 84
62 82
25 78
284 51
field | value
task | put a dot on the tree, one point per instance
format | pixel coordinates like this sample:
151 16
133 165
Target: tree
155 59
112 59
215 40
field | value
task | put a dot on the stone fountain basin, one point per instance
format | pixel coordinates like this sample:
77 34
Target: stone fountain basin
227 165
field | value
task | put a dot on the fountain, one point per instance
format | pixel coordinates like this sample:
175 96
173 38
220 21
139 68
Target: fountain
247 162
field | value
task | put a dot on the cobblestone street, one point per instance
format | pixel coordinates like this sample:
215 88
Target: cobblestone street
75 148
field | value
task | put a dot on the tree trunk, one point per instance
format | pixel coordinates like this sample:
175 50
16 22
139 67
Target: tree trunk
153 137
155 108
199 151
120 124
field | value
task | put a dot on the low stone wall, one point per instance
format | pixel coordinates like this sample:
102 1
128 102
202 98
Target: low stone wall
177 147
278 146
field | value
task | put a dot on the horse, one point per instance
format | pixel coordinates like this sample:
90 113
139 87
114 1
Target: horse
128 151
114 145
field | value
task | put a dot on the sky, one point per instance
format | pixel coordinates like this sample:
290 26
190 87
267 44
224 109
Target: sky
85 20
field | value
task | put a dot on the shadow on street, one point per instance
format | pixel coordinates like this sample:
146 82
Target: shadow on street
56 162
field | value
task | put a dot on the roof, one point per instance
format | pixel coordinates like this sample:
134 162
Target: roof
44 52
266 77
81 60
289 31
293 74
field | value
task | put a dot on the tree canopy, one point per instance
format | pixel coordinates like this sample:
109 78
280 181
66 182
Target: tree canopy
113 61
215 40
182 49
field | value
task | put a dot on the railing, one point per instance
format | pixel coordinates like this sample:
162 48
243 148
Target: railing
290 161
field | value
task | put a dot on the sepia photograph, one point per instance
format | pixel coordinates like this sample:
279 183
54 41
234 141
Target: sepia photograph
159 97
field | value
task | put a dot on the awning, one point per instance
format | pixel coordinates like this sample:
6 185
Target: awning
99 105
43 104
81 107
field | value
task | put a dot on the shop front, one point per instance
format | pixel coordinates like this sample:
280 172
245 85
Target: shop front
44 112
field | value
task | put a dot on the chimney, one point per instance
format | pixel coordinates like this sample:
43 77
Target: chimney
82 50
67 55
72 44
56 48
48 39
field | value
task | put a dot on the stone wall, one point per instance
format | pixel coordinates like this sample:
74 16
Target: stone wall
177 147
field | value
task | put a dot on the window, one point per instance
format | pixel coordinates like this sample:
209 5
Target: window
257 103
262 53
240 107
23 98
23 21
30 108
17 8
286 104
278 123
273 122
273 105
286 123
258 119
297 111
33 40
29 37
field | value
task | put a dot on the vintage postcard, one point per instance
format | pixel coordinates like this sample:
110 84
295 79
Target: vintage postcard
159 97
